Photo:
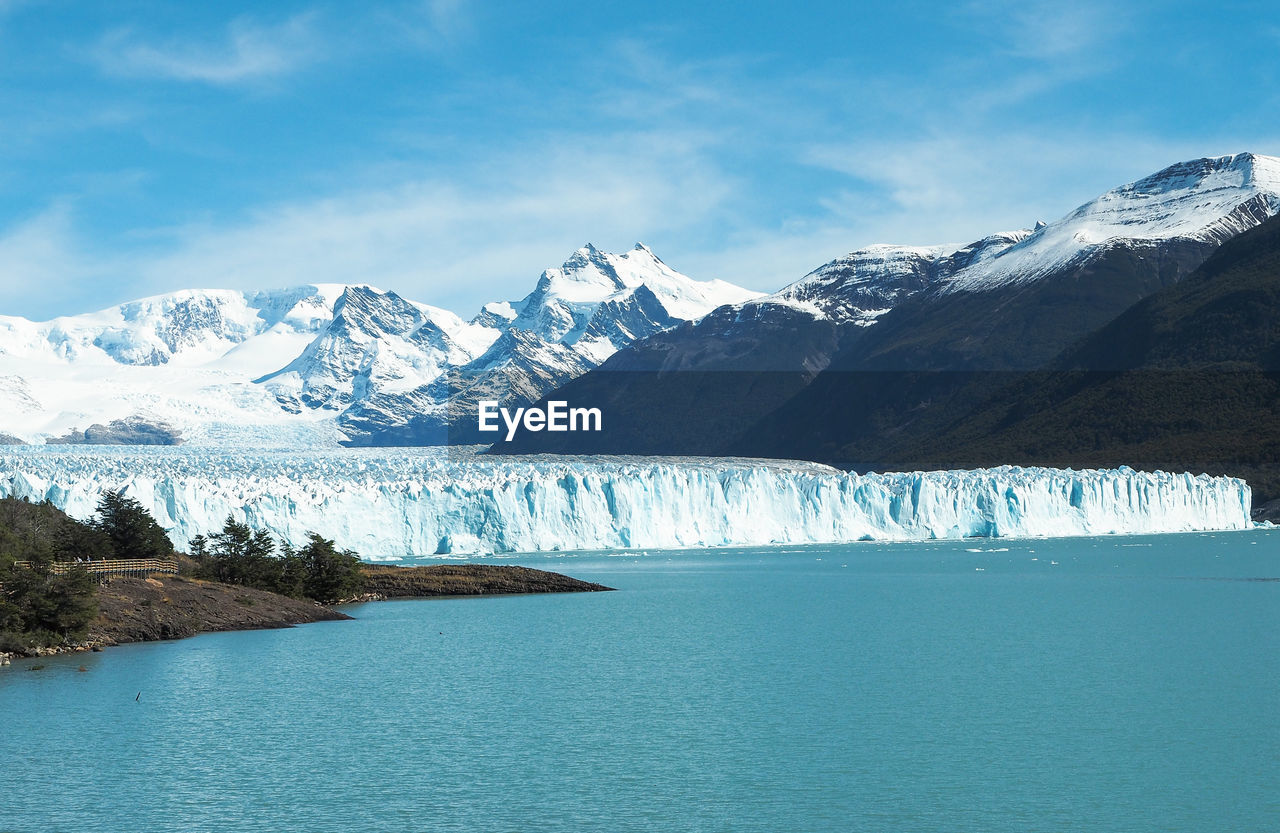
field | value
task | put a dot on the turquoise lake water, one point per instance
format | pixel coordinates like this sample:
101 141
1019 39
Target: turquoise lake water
1133 685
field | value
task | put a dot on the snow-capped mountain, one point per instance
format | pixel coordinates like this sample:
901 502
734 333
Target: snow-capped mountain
322 365
863 285
1196 205
177 362
889 327
1206 201
328 364
576 317
375 340
1015 307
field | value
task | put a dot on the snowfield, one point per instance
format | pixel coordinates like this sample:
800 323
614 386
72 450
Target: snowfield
394 503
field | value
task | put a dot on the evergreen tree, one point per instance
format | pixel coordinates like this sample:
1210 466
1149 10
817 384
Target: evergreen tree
132 530
240 555
331 575
39 608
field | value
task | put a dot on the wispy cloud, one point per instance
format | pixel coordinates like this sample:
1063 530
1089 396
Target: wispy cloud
42 251
429 24
447 241
248 51
1026 50
448 17
436 239
1047 29
727 167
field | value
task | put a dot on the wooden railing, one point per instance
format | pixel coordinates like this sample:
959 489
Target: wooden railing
114 567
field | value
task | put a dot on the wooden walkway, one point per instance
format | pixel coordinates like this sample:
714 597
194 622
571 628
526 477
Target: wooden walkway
114 567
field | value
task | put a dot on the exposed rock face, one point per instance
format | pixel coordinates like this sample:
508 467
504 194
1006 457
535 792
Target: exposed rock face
129 431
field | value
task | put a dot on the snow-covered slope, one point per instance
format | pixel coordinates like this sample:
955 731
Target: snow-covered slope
182 361
319 365
863 285
191 327
576 317
424 502
1205 200
603 301
375 340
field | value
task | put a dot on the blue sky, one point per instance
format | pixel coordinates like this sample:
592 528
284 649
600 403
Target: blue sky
452 149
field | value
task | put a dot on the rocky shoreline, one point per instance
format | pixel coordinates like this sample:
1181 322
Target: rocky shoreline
175 607
394 582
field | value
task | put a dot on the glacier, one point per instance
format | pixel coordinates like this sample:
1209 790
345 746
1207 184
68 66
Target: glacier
389 504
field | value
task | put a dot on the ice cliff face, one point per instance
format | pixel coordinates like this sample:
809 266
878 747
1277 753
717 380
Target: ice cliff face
422 502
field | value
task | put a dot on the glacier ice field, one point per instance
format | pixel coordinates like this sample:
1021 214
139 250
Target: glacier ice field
393 503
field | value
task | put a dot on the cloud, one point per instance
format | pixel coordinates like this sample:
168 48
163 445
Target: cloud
40 258
438 240
455 242
250 51
1026 50
727 168
1046 29
446 16
485 231
433 25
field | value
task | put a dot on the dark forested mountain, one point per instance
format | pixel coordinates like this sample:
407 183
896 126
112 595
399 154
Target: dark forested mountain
1187 379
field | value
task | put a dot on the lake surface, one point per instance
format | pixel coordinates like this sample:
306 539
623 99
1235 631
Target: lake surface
1125 684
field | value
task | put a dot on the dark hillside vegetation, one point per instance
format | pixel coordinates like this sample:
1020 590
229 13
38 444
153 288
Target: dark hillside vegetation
38 608
41 607
1185 380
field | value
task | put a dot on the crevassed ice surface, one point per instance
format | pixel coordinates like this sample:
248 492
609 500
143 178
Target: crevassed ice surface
393 503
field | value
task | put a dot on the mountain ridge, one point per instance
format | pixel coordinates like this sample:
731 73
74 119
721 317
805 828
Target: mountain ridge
945 339
350 364
325 364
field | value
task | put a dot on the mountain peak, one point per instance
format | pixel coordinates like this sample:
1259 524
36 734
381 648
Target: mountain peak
1240 170
1202 201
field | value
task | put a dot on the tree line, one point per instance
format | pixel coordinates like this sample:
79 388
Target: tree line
39 607
242 555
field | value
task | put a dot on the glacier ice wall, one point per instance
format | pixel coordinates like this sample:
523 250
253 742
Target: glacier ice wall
392 503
